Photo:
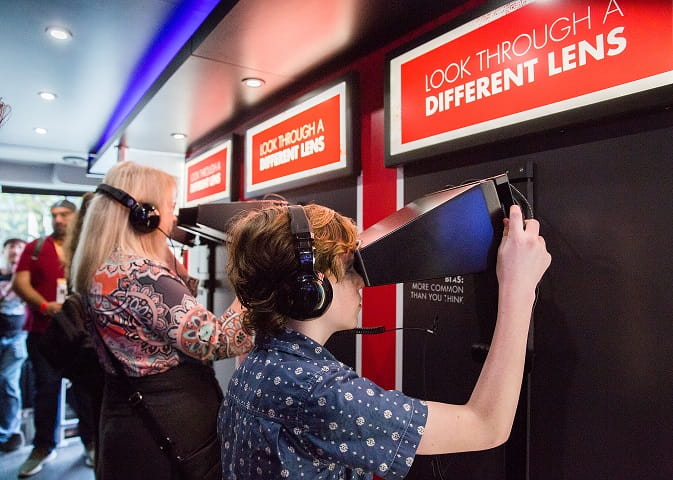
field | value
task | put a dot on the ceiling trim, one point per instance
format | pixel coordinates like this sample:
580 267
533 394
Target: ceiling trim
189 24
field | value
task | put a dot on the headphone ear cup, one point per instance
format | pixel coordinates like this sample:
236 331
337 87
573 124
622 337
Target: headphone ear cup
144 218
309 297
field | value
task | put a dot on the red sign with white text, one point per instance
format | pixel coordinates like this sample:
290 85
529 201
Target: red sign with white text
526 60
302 142
207 176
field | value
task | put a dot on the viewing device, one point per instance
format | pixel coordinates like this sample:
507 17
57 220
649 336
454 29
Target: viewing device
450 232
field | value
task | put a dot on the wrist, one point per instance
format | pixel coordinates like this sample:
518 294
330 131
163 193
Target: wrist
43 307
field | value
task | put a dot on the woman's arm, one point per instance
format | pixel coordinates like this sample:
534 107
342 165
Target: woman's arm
238 342
191 328
486 420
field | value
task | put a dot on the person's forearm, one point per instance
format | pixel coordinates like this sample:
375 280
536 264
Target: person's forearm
485 421
26 291
496 393
36 301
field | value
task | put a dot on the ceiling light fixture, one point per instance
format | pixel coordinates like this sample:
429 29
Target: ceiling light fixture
47 96
253 82
59 33
40 130
164 53
178 136
75 160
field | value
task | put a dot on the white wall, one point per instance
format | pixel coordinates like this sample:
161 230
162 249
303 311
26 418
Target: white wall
172 163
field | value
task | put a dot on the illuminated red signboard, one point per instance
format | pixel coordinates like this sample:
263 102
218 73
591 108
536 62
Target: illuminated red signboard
525 60
304 144
207 176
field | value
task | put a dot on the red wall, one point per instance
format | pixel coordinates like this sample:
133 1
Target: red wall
378 191
379 198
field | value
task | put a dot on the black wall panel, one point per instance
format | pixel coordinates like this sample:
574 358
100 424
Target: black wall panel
462 312
602 385
601 379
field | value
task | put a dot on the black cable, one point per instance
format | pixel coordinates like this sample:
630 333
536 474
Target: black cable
424 360
382 329
522 201
365 331
434 461
175 260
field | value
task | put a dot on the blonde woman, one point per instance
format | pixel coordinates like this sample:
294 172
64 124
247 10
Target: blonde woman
145 321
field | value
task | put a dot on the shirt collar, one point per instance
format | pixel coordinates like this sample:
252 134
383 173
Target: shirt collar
295 343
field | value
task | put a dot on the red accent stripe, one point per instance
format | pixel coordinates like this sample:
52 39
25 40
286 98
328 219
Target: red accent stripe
379 201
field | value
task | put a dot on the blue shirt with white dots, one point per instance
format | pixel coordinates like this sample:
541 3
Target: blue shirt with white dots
292 410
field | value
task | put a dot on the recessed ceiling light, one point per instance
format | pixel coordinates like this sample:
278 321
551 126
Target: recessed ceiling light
59 33
75 160
179 136
40 130
253 82
48 96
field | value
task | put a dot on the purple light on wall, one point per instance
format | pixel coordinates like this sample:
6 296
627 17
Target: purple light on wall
173 36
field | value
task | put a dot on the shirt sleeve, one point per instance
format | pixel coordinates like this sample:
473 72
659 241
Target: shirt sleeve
24 260
186 324
351 421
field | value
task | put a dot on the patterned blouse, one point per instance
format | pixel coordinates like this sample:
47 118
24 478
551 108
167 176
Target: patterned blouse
293 411
152 322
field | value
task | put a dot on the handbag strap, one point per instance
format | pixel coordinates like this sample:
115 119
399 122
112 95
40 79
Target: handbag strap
137 401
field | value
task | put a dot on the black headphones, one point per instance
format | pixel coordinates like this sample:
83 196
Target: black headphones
144 217
308 295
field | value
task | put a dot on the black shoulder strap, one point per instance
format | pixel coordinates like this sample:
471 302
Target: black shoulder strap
38 247
135 398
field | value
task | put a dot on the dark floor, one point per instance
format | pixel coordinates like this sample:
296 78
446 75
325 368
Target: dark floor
68 465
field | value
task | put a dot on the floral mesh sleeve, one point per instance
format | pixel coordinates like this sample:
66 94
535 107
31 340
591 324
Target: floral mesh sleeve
202 335
148 317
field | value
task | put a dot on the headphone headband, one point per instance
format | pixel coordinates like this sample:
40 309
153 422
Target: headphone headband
121 196
307 295
303 235
144 217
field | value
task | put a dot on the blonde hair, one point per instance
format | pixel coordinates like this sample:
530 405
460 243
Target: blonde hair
106 225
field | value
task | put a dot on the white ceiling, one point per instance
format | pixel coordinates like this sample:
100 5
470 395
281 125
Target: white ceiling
281 41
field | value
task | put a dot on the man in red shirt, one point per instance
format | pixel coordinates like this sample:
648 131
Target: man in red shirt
40 281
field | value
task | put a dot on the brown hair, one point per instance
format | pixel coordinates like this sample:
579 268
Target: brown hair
73 232
263 259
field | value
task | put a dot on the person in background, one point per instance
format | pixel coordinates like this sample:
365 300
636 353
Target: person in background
89 382
4 111
13 351
73 233
292 410
149 330
40 281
